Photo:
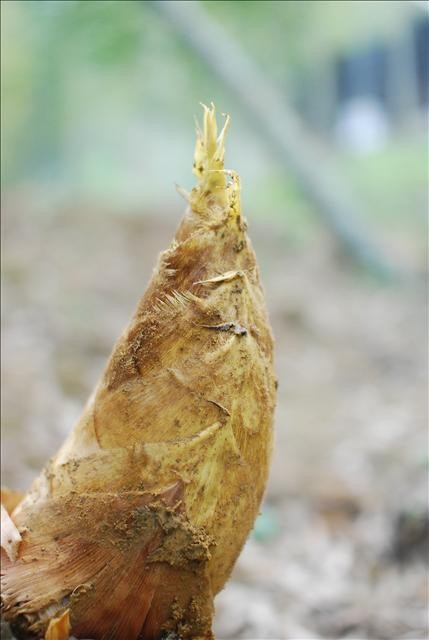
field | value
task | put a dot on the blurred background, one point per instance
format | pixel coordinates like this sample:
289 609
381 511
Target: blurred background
329 105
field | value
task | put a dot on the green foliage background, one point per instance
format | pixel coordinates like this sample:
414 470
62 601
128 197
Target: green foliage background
98 99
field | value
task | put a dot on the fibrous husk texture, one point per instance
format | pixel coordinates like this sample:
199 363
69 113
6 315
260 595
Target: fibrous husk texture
135 524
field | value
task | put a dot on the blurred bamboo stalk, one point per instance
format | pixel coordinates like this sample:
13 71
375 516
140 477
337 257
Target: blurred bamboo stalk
277 122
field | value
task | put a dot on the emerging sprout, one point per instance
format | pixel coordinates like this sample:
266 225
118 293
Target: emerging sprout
135 525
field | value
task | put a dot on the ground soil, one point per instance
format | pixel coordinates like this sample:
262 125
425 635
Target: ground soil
340 549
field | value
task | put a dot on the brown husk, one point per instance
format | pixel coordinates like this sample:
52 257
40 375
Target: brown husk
135 524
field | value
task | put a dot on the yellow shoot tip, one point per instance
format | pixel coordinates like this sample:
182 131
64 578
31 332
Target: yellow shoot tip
210 148
213 188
